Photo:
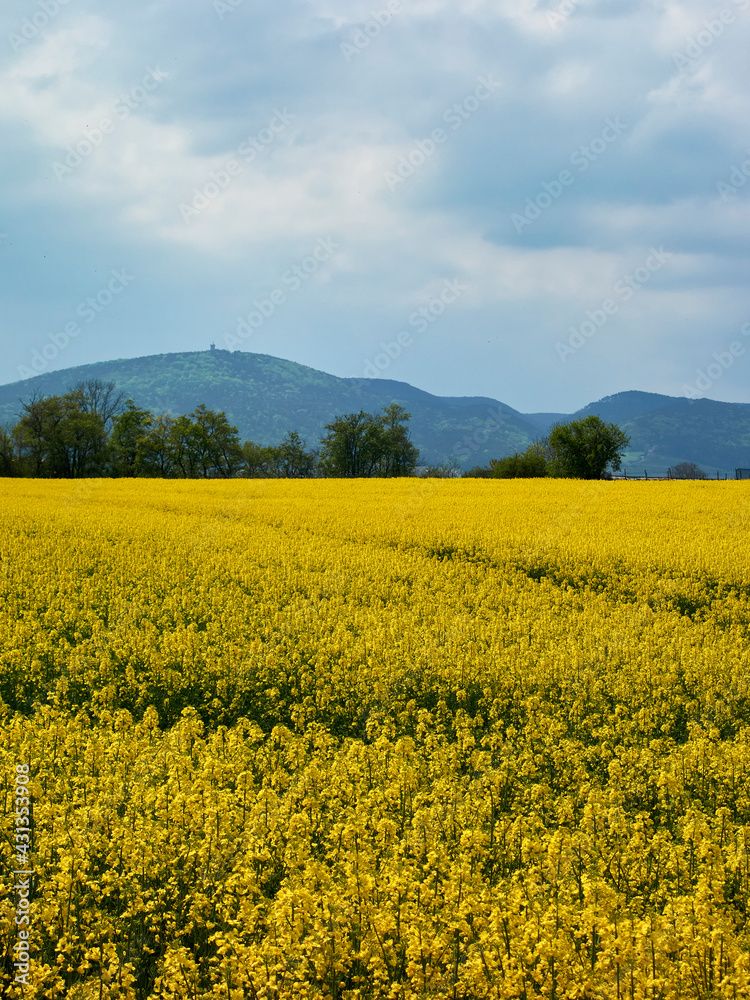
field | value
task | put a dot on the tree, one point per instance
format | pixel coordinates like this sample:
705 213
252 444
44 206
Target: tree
81 443
687 470
221 452
586 448
60 436
400 456
205 445
158 454
9 465
291 459
186 447
101 399
32 433
530 464
353 446
259 461
129 445
360 444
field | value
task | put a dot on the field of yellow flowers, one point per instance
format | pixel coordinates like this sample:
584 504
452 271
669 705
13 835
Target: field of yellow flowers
375 738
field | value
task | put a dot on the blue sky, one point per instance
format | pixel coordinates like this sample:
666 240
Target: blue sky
542 201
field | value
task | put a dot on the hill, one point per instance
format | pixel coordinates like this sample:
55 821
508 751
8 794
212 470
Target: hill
714 435
265 397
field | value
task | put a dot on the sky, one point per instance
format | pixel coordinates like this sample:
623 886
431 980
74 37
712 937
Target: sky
540 201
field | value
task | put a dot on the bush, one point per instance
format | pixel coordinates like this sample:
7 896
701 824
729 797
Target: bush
687 470
446 470
478 472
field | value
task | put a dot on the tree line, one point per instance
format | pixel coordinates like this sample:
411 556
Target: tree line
92 430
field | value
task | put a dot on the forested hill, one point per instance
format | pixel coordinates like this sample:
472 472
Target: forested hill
265 397
666 430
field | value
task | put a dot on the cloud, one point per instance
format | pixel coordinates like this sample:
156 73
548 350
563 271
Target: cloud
265 133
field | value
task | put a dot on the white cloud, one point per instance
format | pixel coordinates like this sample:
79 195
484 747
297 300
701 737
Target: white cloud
46 86
324 173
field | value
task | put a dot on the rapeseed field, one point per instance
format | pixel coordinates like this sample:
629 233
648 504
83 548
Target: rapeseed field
375 739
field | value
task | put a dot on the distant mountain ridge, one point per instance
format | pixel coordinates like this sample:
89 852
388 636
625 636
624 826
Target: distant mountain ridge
265 397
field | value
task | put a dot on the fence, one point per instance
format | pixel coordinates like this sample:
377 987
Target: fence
742 473
669 476
625 475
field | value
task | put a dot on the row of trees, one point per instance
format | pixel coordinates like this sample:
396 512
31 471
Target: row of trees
357 445
94 431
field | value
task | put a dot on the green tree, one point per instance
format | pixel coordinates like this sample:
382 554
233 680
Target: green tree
221 452
259 461
399 455
9 464
33 432
158 453
81 442
586 448
186 447
292 460
59 436
352 447
129 442
205 445
360 444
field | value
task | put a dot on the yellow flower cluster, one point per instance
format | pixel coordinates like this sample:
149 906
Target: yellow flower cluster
377 739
